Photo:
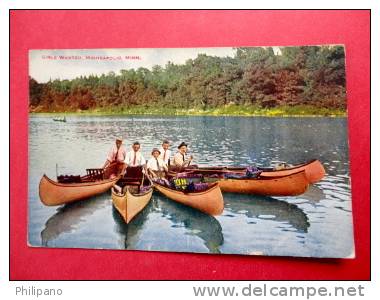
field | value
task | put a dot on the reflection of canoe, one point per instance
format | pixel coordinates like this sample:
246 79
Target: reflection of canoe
130 233
209 201
194 222
129 204
260 206
314 194
56 193
68 217
314 171
291 185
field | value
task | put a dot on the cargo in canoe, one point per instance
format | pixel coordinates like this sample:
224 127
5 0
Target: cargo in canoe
132 193
288 185
73 188
314 170
209 201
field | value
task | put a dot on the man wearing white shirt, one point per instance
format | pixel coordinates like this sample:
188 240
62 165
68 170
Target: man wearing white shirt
165 152
117 153
114 164
156 166
180 159
135 158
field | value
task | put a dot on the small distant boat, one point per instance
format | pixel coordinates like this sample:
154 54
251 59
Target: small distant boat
60 119
209 201
314 170
135 194
73 188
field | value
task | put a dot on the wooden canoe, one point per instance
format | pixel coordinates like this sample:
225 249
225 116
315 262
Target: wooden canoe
129 204
209 201
54 193
289 185
314 171
96 181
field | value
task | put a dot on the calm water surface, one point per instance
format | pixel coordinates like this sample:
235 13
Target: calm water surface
317 223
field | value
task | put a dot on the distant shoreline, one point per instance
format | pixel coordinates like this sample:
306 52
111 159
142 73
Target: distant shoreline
225 111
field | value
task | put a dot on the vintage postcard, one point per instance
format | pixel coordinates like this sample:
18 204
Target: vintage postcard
232 150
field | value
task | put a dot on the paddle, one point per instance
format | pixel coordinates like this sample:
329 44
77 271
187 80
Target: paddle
190 160
150 180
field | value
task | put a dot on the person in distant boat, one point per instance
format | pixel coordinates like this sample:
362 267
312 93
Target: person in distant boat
116 156
165 152
156 166
180 159
134 158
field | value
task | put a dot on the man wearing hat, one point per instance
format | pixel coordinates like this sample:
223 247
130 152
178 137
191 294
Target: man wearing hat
117 153
180 158
116 156
156 166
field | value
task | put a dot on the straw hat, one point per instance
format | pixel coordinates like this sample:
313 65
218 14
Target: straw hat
156 150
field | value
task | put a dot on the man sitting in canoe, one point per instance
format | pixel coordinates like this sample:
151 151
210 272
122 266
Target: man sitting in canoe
134 158
180 160
156 166
165 152
115 158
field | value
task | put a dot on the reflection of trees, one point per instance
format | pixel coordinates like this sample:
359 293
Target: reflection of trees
257 206
197 223
67 218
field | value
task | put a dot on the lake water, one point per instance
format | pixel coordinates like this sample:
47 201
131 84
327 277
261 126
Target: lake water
317 223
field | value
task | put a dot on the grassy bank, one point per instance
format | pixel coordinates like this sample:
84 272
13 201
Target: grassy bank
227 110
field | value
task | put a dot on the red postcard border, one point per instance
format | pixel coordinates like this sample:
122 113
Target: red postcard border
78 29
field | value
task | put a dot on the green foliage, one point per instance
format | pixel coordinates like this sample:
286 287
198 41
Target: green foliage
254 79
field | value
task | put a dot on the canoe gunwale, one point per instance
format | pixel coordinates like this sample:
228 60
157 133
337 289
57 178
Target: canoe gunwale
240 168
259 178
263 177
129 197
80 184
195 193
133 194
52 193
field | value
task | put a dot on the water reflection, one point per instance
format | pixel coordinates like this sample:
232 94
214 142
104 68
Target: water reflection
132 230
313 195
195 223
267 208
68 218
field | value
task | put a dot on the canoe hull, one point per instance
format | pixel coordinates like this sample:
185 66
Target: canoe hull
129 205
54 193
291 185
314 171
210 201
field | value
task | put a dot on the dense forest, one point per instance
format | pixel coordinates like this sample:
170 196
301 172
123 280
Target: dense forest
311 76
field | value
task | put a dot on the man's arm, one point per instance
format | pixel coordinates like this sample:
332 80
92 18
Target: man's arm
187 162
110 156
106 164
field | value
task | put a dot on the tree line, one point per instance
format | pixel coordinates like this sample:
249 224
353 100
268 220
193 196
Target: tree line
312 75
